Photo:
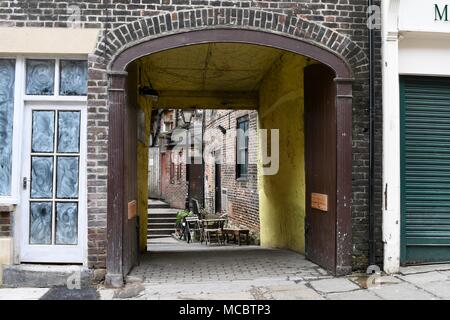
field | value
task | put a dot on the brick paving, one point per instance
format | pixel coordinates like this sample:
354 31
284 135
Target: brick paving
169 262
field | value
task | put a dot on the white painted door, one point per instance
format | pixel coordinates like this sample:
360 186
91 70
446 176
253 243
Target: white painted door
53 215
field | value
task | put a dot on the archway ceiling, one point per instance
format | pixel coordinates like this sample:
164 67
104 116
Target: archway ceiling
210 67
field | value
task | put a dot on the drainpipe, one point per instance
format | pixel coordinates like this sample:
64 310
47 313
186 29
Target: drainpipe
203 148
372 244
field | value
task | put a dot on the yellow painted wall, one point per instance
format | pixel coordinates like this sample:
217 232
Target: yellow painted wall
282 196
142 175
145 106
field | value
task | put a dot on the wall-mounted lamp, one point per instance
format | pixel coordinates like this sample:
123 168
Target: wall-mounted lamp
148 91
222 129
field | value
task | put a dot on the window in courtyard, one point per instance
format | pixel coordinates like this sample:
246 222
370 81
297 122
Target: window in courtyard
180 161
7 77
172 167
40 78
242 147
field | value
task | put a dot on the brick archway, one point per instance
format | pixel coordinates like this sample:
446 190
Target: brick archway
123 45
112 45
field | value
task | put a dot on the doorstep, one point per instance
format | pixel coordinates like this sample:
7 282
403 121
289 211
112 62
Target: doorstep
46 276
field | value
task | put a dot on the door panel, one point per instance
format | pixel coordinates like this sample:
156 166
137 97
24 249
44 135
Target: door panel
131 224
320 164
53 219
425 180
196 181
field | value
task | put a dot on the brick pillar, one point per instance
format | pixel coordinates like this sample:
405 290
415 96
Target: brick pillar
116 191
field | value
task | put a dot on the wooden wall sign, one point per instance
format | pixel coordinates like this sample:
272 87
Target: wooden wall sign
132 209
319 201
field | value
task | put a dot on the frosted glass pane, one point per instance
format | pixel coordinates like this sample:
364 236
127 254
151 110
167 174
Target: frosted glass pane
40 77
73 78
69 131
41 177
66 223
7 76
67 177
40 223
43 131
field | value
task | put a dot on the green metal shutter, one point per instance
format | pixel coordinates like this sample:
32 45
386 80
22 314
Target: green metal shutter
425 166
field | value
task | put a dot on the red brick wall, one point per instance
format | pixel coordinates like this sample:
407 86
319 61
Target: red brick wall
243 200
174 191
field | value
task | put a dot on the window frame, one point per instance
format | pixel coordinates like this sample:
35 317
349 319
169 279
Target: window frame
171 168
20 100
240 176
180 162
56 96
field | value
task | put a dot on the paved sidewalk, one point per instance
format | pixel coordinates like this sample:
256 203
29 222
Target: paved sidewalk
169 271
254 273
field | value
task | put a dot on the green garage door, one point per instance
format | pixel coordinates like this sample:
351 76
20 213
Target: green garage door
425 161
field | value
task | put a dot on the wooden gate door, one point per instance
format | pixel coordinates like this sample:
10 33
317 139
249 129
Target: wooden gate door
320 166
196 182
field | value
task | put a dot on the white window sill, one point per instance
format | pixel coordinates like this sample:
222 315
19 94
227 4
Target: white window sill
56 98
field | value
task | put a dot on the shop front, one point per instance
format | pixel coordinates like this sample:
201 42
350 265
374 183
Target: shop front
416 118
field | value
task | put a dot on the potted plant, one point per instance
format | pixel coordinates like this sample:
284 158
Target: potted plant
179 221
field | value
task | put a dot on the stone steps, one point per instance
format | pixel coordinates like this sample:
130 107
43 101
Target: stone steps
161 225
154 204
153 220
161 220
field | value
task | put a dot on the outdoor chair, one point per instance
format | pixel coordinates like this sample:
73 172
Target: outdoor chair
234 233
195 206
212 228
192 227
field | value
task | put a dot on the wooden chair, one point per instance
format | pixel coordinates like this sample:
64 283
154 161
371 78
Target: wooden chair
237 233
212 228
192 227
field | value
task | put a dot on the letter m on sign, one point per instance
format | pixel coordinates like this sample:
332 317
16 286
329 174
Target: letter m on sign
440 14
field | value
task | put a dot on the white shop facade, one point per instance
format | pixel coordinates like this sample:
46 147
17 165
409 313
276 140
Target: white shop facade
416 132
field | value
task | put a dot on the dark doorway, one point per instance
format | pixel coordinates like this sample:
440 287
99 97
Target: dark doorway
163 178
320 165
218 188
196 182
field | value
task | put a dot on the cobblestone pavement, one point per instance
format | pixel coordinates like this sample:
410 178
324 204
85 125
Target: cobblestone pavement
176 270
219 264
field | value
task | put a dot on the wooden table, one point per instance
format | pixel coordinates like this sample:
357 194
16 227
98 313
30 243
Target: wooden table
237 233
